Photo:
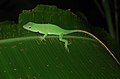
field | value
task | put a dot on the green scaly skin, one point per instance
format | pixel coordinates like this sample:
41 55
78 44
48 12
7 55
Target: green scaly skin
51 29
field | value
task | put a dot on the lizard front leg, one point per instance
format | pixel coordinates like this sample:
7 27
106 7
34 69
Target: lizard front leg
44 36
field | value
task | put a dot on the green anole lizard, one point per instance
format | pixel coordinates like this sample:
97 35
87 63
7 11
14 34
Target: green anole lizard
56 30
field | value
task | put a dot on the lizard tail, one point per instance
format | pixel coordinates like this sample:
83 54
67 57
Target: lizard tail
82 31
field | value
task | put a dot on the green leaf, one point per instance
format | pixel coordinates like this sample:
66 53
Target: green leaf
24 56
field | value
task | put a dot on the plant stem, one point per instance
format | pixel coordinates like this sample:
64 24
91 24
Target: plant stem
108 17
116 22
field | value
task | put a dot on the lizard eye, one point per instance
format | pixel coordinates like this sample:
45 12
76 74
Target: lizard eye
29 27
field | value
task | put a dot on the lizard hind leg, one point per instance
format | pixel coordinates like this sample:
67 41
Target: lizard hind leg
65 41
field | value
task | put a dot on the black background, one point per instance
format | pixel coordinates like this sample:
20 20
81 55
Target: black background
10 9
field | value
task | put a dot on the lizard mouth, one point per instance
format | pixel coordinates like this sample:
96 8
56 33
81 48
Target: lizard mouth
25 27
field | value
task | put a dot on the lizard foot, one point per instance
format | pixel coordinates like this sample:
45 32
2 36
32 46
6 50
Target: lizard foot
66 47
42 39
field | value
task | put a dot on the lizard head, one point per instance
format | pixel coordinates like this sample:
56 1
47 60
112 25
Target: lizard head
30 26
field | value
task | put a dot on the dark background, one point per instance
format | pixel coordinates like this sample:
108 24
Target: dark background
10 9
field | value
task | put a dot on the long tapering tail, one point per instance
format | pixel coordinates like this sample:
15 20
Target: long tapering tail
82 31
